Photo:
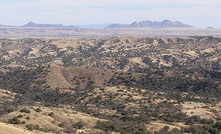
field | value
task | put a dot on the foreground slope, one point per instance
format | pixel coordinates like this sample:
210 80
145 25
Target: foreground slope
120 101
10 129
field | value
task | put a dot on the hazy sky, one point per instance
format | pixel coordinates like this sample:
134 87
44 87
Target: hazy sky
199 13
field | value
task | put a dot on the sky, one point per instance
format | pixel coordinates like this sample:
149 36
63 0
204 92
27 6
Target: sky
198 13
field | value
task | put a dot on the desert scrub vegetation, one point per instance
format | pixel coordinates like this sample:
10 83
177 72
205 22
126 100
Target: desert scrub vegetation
140 81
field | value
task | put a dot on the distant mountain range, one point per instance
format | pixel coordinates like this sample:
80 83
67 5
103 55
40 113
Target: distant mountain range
3 25
32 24
165 23
94 26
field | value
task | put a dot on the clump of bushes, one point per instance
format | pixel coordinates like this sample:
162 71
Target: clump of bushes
9 110
70 131
14 120
31 127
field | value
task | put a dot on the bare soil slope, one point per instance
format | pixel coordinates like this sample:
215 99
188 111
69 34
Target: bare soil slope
71 77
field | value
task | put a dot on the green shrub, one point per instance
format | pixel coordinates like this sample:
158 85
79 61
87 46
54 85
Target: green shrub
78 125
51 114
25 110
28 118
38 110
165 128
20 116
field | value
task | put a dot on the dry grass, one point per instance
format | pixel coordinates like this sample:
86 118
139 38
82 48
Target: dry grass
64 115
158 125
56 78
12 129
197 109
